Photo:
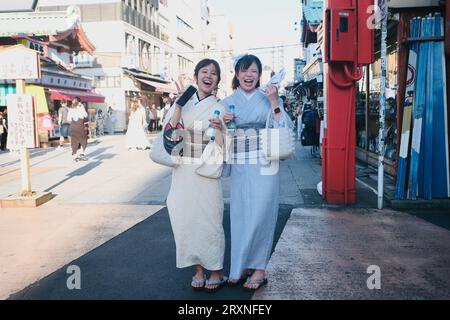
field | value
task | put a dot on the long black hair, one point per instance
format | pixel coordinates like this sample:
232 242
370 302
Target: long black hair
206 62
243 64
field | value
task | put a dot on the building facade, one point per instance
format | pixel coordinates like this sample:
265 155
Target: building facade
129 57
221 49
58 37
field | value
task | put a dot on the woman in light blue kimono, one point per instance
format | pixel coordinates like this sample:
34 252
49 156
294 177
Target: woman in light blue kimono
255 182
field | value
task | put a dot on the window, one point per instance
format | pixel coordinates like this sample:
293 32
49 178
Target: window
185 32
184 65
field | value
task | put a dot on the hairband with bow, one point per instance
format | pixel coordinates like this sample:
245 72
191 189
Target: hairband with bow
237 57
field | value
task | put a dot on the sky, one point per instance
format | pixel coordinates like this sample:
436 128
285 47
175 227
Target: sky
264 23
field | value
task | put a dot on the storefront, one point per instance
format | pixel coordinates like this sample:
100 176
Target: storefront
149 89
368 106
414 136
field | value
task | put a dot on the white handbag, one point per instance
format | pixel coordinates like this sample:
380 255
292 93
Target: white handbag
212 161
159 154
277 143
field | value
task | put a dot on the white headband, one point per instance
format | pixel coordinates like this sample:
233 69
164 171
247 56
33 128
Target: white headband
237 57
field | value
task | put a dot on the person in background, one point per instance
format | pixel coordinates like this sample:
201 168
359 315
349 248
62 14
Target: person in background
135 136
63 123
159 117
298 119
4 125
79 128
3 131
100 123
111 119
153 119
167 103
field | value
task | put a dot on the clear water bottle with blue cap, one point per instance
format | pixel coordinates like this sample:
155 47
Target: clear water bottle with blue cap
211 131
232 124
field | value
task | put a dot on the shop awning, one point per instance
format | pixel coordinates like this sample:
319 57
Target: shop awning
39 98
160 87
85 96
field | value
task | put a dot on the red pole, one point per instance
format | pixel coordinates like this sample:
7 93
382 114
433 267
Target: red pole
346 33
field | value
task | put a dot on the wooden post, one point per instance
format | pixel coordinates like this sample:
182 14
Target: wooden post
24 153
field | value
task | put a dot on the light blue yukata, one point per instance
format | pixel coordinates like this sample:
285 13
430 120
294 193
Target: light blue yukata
254 196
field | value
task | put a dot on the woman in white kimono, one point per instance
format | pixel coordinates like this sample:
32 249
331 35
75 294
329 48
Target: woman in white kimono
135 137
254 181
195 203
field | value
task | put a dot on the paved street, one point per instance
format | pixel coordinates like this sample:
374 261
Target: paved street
108 217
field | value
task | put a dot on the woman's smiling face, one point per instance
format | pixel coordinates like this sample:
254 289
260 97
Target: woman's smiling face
249 78
207 79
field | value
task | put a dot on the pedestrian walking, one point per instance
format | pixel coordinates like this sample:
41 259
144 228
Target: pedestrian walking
135 136
254 195
63 123
100 119
195 202
79 128
298 119
153 116
111 119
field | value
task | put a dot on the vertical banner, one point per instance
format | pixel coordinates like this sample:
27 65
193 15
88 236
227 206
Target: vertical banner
20 122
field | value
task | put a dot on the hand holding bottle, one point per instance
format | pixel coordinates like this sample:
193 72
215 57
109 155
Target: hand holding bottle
216 124
211 131
228 117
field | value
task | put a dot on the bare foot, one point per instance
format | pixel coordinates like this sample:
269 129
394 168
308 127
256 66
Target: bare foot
256 280
245 274
214 281
198 280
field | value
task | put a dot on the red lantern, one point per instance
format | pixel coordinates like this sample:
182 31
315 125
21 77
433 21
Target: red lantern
46 122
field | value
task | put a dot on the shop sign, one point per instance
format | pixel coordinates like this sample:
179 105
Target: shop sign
46 122
21 133
18 62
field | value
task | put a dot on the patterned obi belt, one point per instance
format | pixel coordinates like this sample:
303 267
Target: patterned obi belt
194 144
245 144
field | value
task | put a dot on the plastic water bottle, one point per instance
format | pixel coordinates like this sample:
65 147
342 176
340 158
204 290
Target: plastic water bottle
211 131
232 125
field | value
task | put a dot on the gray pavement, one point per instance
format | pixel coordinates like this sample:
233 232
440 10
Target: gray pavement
325 254
104 209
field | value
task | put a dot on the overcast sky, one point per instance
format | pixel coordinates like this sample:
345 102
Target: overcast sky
264 23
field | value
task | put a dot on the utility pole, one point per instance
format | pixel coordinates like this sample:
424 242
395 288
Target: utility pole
384 15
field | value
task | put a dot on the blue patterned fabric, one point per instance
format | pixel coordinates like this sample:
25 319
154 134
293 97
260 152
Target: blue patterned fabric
254 195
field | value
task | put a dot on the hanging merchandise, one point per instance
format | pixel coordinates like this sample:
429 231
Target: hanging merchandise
429 164
416 172
436 163
402 173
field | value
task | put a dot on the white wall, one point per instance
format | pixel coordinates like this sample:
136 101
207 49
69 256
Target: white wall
106 36
310 52
48 3
63 57
220 30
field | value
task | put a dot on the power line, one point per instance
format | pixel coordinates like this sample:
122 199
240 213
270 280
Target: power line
210 51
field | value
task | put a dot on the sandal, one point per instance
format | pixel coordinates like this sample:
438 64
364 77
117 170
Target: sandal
219 283
198 284
259 282
241 280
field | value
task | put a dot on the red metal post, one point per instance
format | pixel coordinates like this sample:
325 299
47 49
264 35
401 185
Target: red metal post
348 44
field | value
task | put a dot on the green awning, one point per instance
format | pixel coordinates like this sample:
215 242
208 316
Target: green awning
6 89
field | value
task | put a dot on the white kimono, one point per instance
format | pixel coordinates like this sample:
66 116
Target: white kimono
135 137
195 203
